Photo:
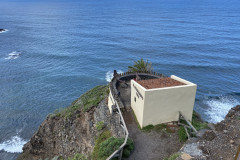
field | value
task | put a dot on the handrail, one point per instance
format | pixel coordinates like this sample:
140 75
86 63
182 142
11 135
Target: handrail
126 136
113 92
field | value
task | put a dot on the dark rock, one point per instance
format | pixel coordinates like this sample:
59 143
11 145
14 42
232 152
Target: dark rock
2 30
237 108
209 135
230 113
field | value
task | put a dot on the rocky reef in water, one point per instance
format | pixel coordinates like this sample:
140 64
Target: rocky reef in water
2 30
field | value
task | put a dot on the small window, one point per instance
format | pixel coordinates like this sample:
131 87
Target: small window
135 99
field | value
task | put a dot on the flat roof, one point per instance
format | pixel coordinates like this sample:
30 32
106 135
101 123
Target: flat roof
159 83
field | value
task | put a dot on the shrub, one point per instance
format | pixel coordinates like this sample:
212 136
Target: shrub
101 138
107 147
100 125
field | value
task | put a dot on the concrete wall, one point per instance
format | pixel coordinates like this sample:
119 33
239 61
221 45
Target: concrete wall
162 105
138 94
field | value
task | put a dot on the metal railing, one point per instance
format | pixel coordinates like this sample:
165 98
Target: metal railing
187 126
119 151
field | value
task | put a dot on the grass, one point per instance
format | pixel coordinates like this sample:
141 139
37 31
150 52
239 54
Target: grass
173 156
100 125
197 122
88 100
78 157
182 135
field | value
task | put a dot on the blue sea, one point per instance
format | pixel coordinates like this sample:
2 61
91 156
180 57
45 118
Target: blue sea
53 51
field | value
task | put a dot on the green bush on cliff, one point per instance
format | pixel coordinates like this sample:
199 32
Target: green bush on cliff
107 147
101 138
100 125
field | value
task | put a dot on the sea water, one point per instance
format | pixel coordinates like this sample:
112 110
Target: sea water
53 51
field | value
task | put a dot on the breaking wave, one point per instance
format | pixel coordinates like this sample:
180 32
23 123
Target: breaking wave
219 107
109 75
13 55
14 145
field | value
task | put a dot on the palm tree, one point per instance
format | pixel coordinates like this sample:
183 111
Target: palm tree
140 66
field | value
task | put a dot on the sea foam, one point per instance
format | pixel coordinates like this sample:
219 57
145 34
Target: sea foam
109 75
218 108
14 145
13 55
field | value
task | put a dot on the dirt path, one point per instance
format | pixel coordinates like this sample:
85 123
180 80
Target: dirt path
153 145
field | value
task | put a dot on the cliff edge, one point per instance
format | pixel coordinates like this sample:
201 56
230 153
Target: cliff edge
73 130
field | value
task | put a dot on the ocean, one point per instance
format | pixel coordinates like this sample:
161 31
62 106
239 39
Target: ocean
53 51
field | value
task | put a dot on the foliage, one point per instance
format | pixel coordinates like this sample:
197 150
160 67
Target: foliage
173 156
101 138
78 157
197 122
107 147
238 118
93 97
87 101
148 128
100 125
182 134
140 66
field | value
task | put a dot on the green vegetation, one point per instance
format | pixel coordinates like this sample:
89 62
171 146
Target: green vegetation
140 66
100 125
101 138
85 102
93 97
173 156
148 128
78 157
105 145
182 134
238 118
197 122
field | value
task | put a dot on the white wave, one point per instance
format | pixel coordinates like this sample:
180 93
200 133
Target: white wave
13 55
4 31
218 108
14 145
109 75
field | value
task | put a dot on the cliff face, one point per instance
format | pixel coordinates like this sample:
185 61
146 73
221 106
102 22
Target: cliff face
70 132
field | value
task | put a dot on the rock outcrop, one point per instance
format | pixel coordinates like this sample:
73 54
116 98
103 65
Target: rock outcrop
219 142
2 30
66 135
